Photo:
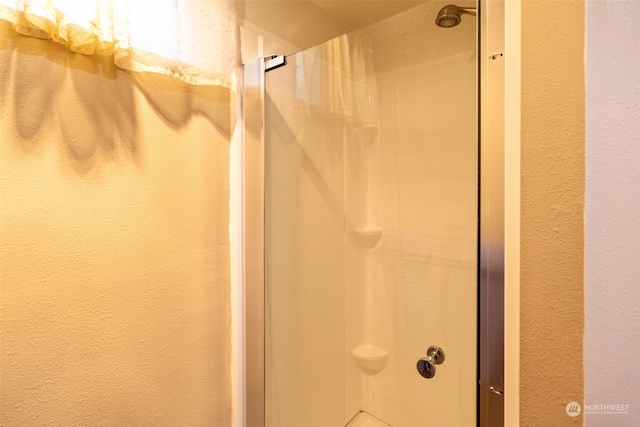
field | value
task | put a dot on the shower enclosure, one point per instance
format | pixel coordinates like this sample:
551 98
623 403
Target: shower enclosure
364 290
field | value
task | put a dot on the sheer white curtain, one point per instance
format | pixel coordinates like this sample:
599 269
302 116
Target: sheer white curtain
194 40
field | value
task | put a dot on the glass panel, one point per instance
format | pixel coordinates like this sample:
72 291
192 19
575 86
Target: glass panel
371 227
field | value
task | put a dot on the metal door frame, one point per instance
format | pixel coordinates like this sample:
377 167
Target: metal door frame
491 230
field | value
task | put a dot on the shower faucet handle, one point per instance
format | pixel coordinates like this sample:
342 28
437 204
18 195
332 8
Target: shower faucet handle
427 365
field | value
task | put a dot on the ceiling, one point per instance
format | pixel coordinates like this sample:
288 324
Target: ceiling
288 26
354 14
293 25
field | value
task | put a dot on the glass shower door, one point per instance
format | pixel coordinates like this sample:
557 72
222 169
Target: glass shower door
371 228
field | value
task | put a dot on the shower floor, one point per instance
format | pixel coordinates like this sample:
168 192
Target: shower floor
364 419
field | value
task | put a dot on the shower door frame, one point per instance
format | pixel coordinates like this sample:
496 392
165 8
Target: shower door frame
491 213
491 228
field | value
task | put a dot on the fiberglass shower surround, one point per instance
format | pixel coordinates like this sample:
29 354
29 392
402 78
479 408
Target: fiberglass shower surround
370 228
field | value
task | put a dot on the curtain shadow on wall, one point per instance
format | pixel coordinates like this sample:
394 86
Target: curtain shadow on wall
102 127
83 103
177 102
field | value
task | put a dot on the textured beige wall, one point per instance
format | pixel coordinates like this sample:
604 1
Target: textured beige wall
114 287
552 195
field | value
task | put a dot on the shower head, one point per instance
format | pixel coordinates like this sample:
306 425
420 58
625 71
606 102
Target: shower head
449 16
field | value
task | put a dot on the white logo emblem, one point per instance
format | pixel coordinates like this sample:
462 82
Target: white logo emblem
573 409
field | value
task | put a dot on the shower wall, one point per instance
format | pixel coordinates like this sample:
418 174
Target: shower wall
114 253
371 229
417 286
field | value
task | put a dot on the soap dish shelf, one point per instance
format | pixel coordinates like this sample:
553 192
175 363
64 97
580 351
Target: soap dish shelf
368 237
371 359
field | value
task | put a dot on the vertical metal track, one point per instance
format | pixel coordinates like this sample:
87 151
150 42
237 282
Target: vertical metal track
492 221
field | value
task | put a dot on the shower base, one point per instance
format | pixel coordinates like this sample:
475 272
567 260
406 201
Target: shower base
364 419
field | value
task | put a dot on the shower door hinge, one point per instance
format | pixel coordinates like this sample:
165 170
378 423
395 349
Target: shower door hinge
271 62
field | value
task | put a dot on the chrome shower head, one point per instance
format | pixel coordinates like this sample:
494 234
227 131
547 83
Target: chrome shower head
449 16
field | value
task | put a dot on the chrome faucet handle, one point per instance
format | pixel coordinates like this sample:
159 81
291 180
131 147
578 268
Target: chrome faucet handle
427 365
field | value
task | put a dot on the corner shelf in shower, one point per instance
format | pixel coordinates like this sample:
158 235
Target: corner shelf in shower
368 237
371 359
